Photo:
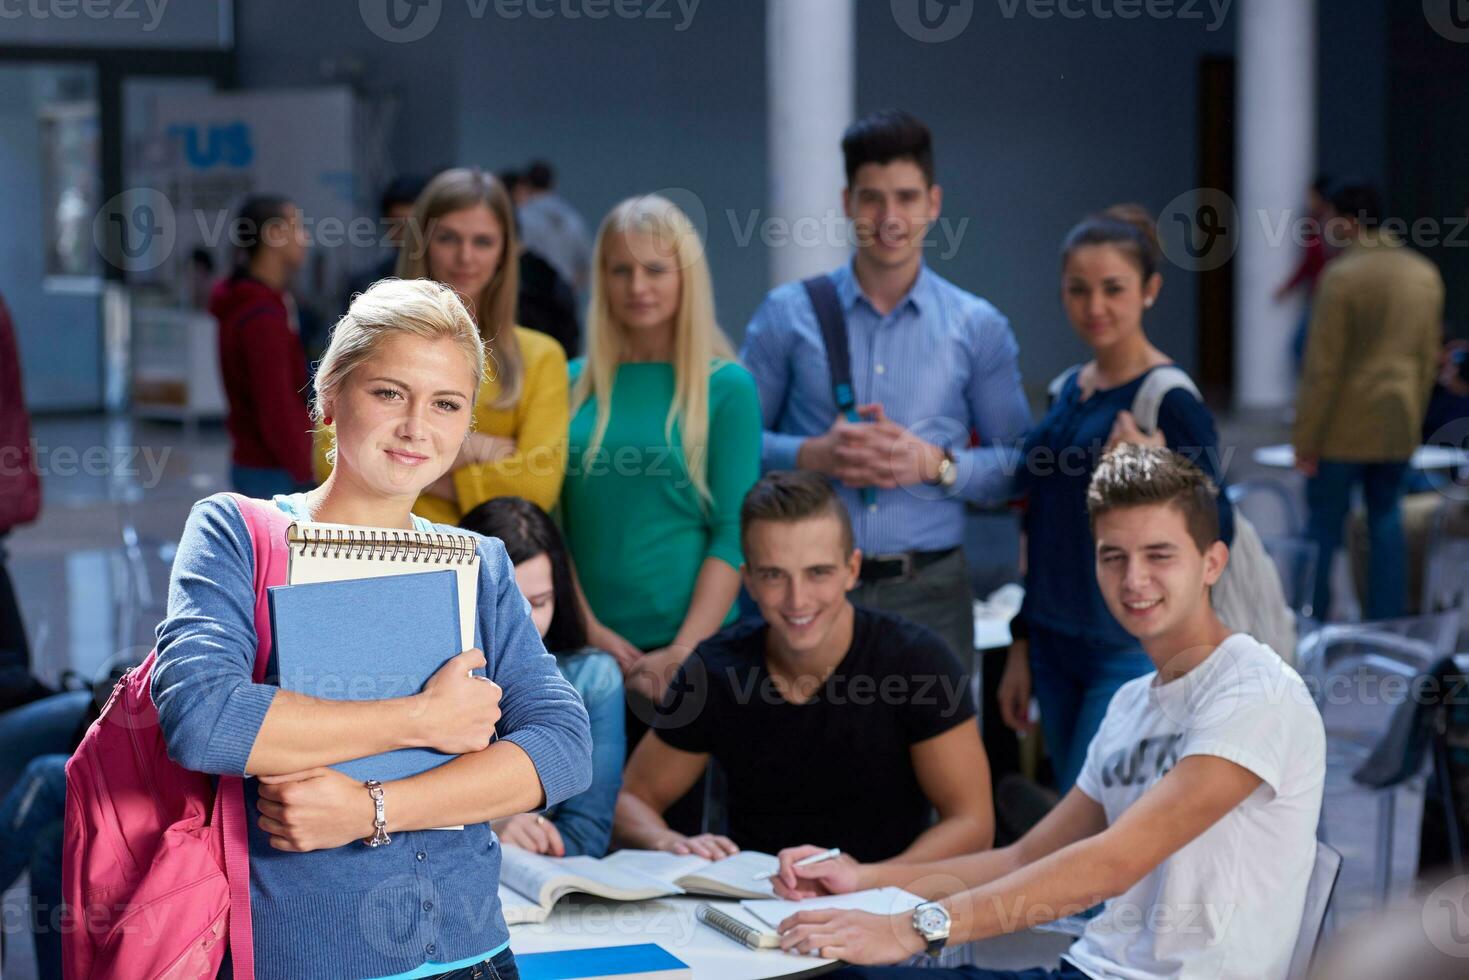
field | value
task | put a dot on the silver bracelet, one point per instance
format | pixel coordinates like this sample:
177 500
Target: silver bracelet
379 819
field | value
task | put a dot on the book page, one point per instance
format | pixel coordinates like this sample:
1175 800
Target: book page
738 876
663 865
548 879
879 901
517 908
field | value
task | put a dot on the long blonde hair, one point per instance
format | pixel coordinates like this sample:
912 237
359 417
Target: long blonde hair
419 307
494 309
697 337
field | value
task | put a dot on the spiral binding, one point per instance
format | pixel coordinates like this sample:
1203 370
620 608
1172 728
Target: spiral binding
741 932
380 544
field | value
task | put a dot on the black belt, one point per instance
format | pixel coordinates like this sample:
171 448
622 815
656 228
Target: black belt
879 568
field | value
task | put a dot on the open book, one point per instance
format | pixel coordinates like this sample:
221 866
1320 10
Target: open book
733 877
531 884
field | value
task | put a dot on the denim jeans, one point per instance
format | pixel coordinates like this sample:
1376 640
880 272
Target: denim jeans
501 966
1329 496
38 728
1074 683
1064 972
31 816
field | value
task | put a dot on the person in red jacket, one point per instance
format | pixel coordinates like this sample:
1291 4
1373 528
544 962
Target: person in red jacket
20 502
260 353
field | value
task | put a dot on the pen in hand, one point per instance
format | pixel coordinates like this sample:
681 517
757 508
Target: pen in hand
826 855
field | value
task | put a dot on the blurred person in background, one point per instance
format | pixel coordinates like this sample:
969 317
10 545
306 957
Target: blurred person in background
547 302
1371 359
395 208
665 441
20 503
1314 256
260 352
551 227
1433 506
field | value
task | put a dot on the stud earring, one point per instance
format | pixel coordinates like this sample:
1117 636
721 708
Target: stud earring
327 420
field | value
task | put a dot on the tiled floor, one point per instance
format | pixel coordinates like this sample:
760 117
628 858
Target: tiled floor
92 576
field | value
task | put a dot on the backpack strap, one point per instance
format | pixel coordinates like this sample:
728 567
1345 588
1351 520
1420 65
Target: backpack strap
822 292
1155 387
1058 383
267 526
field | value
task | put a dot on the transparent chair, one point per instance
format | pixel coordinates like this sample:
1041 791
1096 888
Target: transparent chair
1359 674
1446 578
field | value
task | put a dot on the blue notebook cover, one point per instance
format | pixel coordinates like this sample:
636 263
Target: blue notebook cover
644 959
365 640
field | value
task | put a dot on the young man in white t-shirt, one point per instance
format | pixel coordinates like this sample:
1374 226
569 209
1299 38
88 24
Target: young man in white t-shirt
1195 814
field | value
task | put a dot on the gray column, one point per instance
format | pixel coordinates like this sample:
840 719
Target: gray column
810 55
1276 136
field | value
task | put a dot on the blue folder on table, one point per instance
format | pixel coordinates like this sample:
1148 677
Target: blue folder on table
644 961
368 639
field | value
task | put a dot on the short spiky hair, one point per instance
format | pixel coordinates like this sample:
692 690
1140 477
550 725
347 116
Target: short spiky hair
884 136
1136 476
791 496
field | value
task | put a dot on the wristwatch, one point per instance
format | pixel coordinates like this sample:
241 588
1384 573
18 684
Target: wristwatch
931 921
379 816
948 471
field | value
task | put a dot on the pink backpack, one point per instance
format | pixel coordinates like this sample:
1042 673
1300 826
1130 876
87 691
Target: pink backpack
156 868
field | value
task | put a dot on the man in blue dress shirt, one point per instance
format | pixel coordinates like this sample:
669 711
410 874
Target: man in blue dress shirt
930 364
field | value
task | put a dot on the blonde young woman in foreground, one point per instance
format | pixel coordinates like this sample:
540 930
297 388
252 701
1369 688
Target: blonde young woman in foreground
398 382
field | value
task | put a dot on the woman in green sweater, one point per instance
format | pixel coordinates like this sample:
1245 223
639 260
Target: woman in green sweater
665 441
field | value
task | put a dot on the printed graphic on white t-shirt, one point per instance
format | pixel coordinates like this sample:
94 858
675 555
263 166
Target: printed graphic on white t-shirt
1227 906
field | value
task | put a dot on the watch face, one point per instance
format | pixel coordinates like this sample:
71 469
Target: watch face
931 920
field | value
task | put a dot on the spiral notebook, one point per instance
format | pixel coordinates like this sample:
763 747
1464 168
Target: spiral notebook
320 553
334 552
367 640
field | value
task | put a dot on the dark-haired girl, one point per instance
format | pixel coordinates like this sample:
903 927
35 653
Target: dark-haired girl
1077 655
582 824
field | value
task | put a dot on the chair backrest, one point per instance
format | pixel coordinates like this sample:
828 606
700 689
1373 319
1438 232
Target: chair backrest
1270 505
1445 575
1351 668
1324 875
1337 648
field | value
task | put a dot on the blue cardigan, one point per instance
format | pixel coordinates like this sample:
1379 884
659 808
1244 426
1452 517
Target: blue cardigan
353 911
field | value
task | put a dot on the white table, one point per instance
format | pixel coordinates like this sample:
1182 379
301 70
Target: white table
1283 457
580 922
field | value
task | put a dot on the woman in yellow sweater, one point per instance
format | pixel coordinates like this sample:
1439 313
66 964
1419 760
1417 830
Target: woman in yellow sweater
462 234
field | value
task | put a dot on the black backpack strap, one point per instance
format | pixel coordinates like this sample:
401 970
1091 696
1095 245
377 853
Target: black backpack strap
833 322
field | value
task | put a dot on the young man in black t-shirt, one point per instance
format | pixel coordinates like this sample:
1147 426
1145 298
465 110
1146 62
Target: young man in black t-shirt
832 723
